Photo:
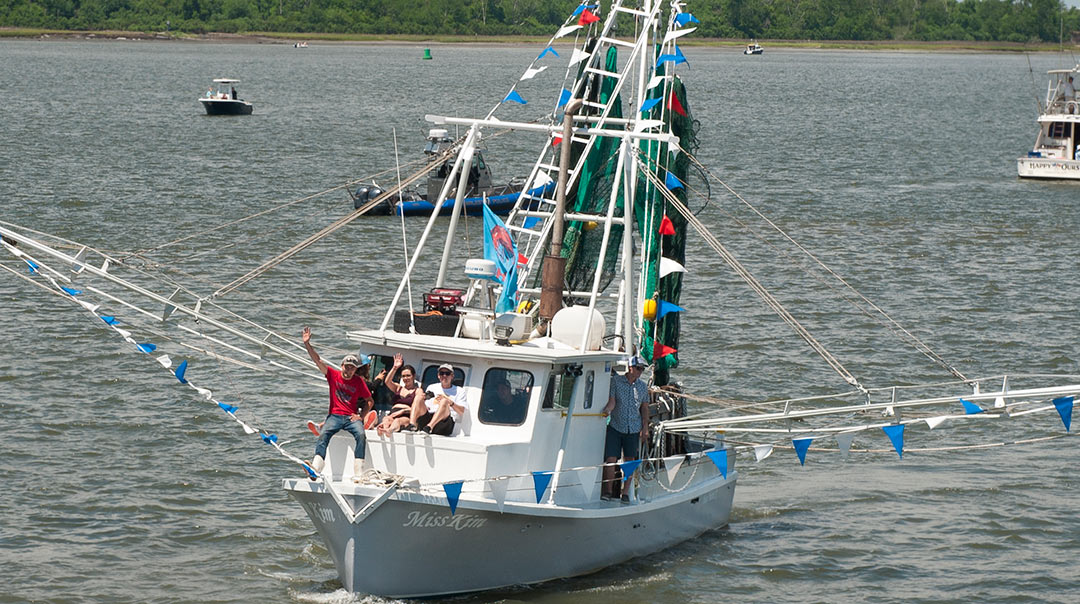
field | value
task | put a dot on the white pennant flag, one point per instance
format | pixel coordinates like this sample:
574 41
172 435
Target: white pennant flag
642 125
247 428
569 29
204 392
590 481
88 306
677 33
124 334
934 422
672 465
844 440
655 81
531 72
668 266
762 451
578 56
165 361
542 180
498 491
129 339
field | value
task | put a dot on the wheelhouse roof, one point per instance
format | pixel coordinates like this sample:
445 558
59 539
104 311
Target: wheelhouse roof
225 81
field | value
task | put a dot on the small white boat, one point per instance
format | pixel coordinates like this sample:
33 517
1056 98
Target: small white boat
224 100
300 45
1056 153
753 48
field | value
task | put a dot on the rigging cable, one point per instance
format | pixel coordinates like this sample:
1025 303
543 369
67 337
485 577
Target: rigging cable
895 326
749 278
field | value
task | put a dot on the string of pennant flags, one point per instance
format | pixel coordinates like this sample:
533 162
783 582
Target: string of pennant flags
583 16
541 480
114 323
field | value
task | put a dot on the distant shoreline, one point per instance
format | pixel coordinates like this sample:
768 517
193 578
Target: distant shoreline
292 38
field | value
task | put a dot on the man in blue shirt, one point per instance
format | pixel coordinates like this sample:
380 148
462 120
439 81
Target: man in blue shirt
628 408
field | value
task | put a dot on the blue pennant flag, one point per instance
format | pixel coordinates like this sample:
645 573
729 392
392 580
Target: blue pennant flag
499 247
71 292
720 459
649 104
682 19
453 493
628 468
895 433
971 408
181 369
269 438
147 348
32 266
228 408
579 9
1064 408
673 58
540 483
672 182
311 472
514 96
110 320
564 97
663 308
801 445
546 51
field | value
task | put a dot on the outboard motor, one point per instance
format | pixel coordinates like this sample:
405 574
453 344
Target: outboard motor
366 193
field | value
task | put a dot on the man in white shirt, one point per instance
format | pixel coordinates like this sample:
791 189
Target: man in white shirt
438 413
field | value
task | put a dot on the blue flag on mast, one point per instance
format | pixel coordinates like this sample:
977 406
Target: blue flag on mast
499 247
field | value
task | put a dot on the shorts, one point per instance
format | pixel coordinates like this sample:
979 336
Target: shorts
444 428
618 444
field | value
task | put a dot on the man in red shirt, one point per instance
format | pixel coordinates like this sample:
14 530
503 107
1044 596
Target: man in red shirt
346 390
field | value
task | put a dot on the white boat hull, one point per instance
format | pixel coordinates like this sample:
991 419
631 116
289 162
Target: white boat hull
1044 167
412 546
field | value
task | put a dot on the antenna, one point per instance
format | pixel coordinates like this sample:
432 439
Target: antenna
404 237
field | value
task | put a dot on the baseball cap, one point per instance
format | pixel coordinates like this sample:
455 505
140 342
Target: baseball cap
350 359
446 366
636 361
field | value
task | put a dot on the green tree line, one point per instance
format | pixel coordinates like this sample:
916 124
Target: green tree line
924 20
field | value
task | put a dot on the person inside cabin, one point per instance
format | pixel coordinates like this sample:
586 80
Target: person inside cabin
347 389
210 92
439 412
500 406
628 428
404 396
233 89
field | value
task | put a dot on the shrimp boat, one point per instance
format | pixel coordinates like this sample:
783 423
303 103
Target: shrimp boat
496 503
753 48
578 279
1056 153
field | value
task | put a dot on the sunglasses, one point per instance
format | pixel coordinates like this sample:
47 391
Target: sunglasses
442 373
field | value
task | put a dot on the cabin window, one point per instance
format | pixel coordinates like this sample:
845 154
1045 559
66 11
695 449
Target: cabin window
590 379
505 398
560 388
431 375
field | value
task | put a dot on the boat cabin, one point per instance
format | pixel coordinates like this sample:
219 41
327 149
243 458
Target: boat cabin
515 421
480 182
